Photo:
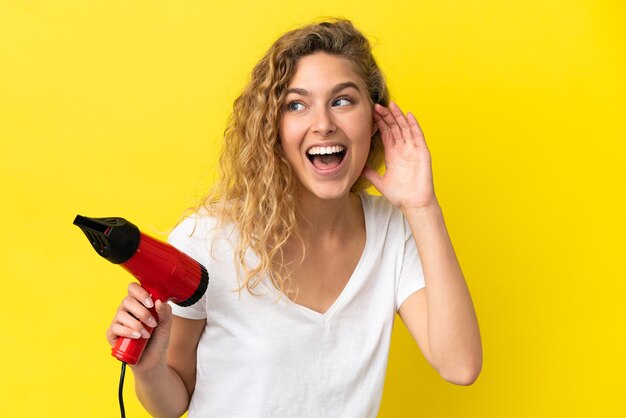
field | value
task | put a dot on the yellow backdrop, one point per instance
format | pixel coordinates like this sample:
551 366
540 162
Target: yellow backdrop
117 108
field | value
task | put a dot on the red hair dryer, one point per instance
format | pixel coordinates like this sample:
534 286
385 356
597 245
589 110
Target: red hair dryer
166 273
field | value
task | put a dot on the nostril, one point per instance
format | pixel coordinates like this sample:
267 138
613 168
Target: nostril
324 125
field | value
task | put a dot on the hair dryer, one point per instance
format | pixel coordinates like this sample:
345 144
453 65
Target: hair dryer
165 272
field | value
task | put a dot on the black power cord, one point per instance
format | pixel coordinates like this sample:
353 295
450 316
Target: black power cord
121 390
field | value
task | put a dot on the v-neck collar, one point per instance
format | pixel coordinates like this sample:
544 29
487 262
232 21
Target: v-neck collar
348 290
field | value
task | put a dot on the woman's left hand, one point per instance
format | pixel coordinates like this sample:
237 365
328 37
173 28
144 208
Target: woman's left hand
408 180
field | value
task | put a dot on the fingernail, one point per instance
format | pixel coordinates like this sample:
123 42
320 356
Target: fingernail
145 334
151 322
148 302
135 334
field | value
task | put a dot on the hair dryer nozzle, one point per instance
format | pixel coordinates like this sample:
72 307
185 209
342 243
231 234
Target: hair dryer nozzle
115 239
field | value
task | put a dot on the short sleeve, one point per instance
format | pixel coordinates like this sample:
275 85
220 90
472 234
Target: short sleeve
411 274
186 238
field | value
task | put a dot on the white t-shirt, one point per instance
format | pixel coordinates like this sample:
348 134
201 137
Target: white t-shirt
266 356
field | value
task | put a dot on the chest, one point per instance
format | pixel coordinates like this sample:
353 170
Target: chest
325 271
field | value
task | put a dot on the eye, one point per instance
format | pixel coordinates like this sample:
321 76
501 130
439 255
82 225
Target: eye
342 101
294 106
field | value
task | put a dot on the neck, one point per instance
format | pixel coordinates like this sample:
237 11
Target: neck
329 217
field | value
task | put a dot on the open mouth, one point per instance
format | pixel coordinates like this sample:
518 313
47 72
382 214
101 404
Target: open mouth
326 158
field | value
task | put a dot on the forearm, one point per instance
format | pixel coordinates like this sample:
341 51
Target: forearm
161 391
452 326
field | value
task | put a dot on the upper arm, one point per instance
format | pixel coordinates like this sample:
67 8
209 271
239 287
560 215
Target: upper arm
413 313
181 352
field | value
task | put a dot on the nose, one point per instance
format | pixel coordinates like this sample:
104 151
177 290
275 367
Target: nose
323 123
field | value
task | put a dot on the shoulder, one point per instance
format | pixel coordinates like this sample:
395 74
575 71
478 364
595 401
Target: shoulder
201 225
197 231
195 226
380 215
379 208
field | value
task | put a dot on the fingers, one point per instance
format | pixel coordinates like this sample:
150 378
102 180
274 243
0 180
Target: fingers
125 325
395 126
386 122
385 130
139 293
415 126
133 319
138 311
402 122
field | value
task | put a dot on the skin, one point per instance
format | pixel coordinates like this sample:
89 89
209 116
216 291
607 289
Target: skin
328 105
440 317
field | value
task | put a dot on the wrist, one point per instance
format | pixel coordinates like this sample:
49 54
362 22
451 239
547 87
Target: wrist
430 209
424 220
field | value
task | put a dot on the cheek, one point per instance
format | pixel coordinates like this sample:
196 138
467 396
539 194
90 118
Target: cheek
364 135
362 129
364 120
283 134
289 141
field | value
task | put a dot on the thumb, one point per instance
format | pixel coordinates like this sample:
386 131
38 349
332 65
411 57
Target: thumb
373 177
161 334
164 312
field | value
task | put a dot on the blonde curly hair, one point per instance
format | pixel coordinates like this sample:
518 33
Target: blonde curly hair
256 187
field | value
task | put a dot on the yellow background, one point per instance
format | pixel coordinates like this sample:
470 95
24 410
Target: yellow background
117 108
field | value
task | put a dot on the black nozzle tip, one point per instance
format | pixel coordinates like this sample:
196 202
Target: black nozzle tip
115 239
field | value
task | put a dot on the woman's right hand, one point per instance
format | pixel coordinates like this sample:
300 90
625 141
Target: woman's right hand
131 319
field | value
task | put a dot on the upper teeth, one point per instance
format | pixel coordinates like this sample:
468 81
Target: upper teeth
325 150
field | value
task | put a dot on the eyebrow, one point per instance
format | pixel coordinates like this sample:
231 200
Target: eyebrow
336 89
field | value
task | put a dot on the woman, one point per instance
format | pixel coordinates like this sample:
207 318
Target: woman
307 270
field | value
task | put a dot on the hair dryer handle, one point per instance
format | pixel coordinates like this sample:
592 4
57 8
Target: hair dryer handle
129 350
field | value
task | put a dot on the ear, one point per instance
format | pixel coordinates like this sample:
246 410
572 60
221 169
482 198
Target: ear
374 128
